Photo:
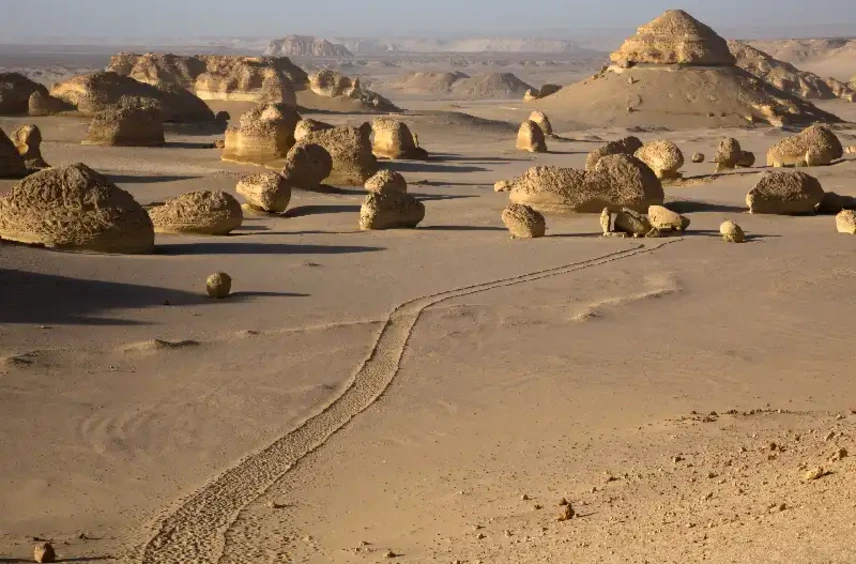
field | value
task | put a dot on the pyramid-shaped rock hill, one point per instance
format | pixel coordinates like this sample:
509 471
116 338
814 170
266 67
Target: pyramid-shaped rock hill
678 73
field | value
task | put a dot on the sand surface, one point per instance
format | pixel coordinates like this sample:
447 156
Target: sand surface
405 391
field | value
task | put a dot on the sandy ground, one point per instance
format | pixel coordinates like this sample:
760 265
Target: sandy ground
436 392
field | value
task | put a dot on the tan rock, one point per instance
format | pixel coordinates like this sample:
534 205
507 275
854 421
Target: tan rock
264 134
633 224
523 222
530 138
541 119
331 84
785 193
306 126
44 552
267 191
15 92
606 221
351 150
393 140
43 104
731 232
219 285
663 157
386 181
665 219
625 146
698 158
126 127
75 208
202 212
845 222
728 154
817 144
307 165
28 140
11 163
391 210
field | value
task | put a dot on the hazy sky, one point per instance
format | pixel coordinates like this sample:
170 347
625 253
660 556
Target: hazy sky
22 19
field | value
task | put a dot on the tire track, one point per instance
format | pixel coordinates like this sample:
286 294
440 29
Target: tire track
194 531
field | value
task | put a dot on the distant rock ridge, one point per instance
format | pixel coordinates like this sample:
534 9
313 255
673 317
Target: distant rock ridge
382 45
305 46
460 85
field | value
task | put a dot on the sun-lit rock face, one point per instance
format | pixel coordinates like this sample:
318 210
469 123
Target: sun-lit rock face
351 150
394 140
814 146
264 134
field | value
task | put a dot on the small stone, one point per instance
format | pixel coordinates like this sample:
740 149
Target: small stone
829 436
390 554
567 513
538 507
677 459
44 552
219 285
524 497
481 536
698 158
782 507
814 474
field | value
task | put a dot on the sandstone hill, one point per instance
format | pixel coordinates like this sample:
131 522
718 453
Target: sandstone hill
306 46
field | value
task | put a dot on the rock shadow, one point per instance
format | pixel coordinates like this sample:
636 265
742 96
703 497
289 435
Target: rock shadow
248 248
691 206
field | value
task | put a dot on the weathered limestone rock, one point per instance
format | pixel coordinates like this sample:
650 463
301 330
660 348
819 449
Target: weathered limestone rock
391 210
530 138
523 222
845 222
11 163
665 219
626 146
731 232
386 181
43 104
502 186
351 150
307 165
126 127
75 208
698 158
663 157
15 92
28 141
219 285
541 119
728 154
266 191
203 212
785 193
264 134
634 224
814 146
393 140
306 126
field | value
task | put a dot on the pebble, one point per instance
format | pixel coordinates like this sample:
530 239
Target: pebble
566 514
390 554
524 497
814 474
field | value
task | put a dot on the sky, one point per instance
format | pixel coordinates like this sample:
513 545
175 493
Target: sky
28 20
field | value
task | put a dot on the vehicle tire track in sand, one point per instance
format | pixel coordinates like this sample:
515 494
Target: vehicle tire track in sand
194 530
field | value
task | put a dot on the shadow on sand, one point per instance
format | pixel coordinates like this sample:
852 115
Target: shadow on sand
246 248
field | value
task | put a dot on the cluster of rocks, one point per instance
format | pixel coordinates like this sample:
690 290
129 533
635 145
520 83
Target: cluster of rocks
331 84
630 223
388 205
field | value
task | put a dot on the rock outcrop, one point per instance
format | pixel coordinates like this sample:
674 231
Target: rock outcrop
306 46
43 104
626 146
523 222
618 182
785 193
328 83
814 146
15 92
386 181
393 140
731 232
532 94
663 157
351 150
265 191
28 141
12 165
203 213
307 165
126 127
391 210
845 222
530 138
264 134
75 208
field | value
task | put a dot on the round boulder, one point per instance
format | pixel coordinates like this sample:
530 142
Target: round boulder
523 222
266 191
664 219
306 126
845 222
814 146
307 165
386 181
530 138
391 210
393 140
731 232
785 193
219 285
698 158
663 157
203 213
626 146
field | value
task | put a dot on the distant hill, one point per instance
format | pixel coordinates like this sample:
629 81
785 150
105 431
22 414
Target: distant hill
363 46
459 85
305 46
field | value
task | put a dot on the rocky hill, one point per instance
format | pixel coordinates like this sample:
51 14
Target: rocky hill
306 46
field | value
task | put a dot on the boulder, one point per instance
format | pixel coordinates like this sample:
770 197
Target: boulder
634 224
202 212
331 84
393 140
391 210
625 146
306 126
664 219
731 232
351 150
747 160
531 138
307 165
814 146
44 552
785 193
43 104
12 164
663 157
219 285
28 141
386 181
15 92
126 127
845 222
833 203
541 119
75 208
266 191
698 158
728 154
619 181
523 222
264 134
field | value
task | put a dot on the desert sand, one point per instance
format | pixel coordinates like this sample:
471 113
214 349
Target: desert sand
434 394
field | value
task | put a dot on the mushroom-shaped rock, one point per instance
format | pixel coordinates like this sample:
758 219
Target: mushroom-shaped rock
306 126
625 146
248 80
11 162
845 222
502 186
814 146
728 154
785 193
28 141
523 222
386 181
351 150
73 207
264 134
43 104
393 140
698 158
747 160
531 138
219 285
543 122
44 552
267 191
15 92
391 210
307 165
833 203
126 127
634 224
731 232
663 157
665 219
674 38
203 212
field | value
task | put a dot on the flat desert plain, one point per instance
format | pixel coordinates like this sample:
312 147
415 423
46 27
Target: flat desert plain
444 394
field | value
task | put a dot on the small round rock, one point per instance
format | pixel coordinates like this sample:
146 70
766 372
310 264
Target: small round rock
731 232
44 552
698 158
219 285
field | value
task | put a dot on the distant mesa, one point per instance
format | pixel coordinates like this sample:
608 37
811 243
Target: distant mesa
462 86
386 45
306 46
